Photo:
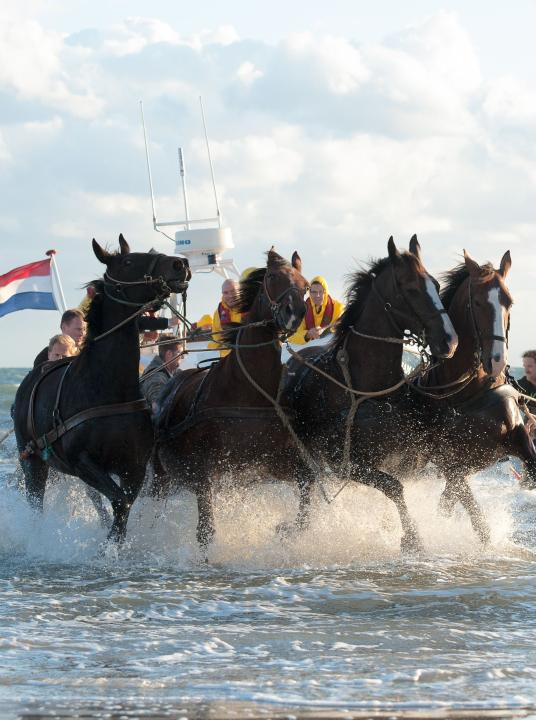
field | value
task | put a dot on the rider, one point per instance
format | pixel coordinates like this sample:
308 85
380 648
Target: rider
61 346
226 312
161 368
322 312
528 382
73 324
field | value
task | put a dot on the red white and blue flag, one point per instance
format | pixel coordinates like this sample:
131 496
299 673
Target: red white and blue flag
28 287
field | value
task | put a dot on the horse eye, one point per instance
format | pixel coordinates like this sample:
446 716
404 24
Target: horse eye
127 261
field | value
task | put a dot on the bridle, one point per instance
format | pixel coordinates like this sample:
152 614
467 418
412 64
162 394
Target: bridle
467 377
479 337
404 318
118 287
275 304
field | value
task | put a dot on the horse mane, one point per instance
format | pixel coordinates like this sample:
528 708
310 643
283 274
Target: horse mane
359 285
94 314
452 280
248 292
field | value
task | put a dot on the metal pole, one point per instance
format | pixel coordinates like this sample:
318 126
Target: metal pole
210 163
148 164
183 181
55 271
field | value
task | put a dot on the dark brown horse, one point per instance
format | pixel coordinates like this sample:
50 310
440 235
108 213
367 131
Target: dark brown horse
462 417
222 420
393 295
99 388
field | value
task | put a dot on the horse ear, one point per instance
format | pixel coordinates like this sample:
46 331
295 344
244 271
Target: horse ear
414 247
393 250
472 265
296 261
101 254
506 264
125 247
273 256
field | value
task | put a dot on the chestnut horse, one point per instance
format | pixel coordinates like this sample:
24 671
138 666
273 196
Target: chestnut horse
462 416
222 420
85 415
394 294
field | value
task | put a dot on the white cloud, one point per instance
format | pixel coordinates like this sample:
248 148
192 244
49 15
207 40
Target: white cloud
333 60
247 73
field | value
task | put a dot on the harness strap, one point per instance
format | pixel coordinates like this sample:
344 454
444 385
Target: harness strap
60 429
227 413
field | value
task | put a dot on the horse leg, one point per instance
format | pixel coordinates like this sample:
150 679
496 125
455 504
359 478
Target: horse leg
95 477
392 488
102 512
519 443
305 485
457 489
205 522
35 480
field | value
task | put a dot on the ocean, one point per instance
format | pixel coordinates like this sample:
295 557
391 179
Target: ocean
336 623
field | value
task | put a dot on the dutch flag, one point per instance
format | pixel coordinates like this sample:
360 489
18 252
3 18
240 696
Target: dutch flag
28 287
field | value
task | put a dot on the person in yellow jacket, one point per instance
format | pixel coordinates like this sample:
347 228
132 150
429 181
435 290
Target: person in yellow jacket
225 313
322 311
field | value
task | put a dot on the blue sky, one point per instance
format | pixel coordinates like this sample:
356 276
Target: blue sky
332 126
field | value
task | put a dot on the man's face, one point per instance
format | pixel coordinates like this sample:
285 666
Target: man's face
317 294
229 293
59 351
75 329
172 358
529 366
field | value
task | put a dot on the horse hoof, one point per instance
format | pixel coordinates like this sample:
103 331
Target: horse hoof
411 543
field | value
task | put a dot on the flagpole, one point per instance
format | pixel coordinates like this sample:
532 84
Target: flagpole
55 270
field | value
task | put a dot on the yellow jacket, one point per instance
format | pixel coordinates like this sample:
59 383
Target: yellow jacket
233 317
314 318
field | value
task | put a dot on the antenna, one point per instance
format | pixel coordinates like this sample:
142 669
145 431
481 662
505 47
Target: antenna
183 181
148 164
210 163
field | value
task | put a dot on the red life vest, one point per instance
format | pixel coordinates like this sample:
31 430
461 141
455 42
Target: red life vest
225 314
327 317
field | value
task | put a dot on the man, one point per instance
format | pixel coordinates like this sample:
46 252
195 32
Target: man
226 312
528 381
322 312
528 384
161 369
73 324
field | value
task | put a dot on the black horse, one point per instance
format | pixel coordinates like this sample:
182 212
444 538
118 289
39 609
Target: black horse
394 294
85 415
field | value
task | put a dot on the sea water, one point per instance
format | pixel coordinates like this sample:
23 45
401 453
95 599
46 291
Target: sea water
336 622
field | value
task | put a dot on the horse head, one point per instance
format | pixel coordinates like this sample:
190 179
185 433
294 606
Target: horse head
139 278
276 293
479 303
411 298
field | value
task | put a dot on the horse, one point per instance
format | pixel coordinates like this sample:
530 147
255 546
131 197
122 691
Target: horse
466 395
364 357
228 418
85 415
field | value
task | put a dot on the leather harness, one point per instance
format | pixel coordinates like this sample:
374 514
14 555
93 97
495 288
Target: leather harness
42 444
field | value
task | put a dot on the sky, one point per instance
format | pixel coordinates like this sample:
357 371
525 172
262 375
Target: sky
332 126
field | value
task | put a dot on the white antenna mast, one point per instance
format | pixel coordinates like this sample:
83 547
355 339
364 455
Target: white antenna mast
218 214
148 163
183 181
